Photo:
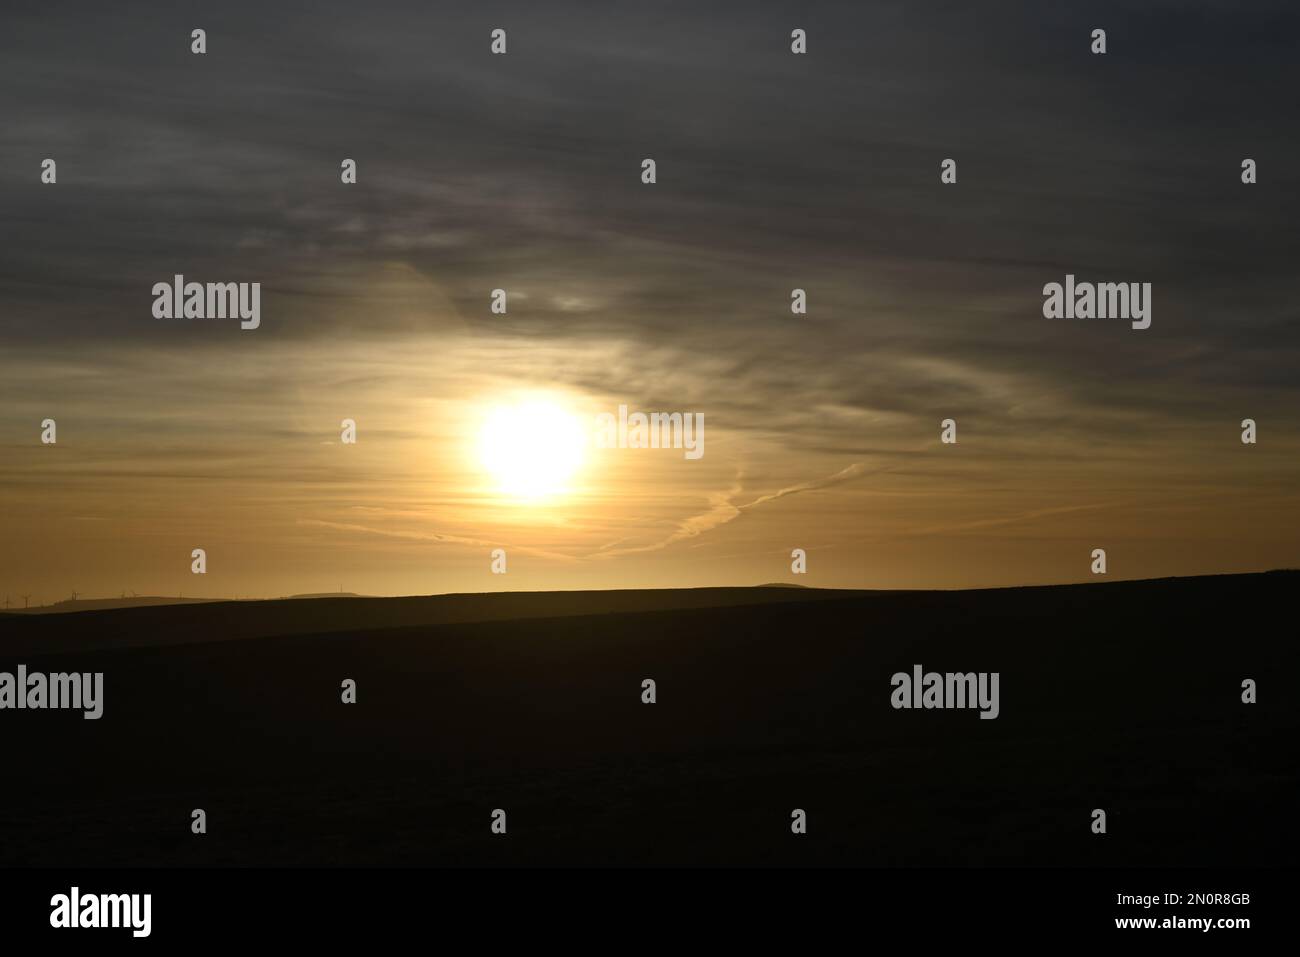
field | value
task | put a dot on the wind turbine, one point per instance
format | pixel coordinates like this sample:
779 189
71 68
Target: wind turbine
25 597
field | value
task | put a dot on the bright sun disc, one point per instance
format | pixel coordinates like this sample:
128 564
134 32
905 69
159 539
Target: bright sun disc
531 449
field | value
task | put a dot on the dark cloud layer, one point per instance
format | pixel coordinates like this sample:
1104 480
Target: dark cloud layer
775 171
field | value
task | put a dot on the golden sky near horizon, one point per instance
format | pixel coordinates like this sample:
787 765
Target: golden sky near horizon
244 459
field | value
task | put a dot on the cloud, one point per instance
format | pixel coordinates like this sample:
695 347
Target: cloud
436 538
847 474
722 510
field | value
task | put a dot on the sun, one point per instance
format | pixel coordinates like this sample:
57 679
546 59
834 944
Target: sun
532 449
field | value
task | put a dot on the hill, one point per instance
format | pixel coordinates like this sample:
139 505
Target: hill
107 604
1121 696
188 623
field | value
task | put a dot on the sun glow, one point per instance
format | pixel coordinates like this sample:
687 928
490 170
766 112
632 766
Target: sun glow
533 449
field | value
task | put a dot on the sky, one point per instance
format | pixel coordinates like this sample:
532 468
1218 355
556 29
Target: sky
522 171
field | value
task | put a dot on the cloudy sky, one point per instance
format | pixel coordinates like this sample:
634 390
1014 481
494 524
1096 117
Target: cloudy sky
522 172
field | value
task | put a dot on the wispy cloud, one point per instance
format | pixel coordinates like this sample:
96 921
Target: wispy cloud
723 509
436 538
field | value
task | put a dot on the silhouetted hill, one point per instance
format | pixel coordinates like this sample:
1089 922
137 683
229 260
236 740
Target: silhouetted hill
228 620
105 604
1124 696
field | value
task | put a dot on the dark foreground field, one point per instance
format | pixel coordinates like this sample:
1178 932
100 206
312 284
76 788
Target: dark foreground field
1123 696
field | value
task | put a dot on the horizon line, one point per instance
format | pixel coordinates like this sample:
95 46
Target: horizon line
68 604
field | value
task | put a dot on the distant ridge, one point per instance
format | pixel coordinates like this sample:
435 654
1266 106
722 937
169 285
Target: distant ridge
167 621
105 604
329 594
149 601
